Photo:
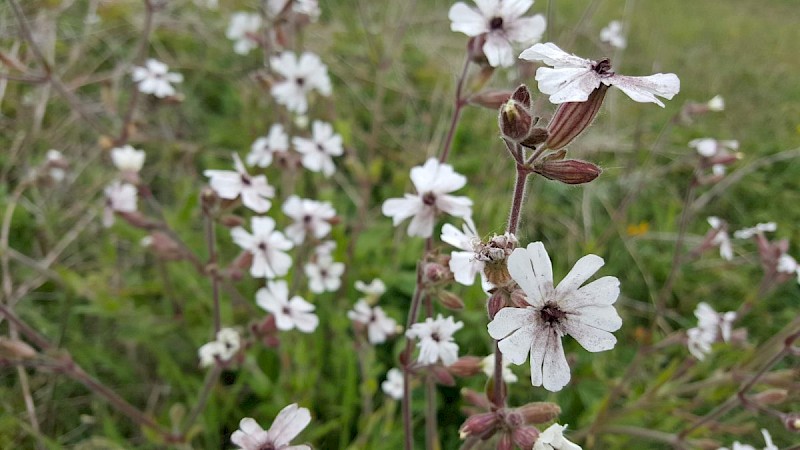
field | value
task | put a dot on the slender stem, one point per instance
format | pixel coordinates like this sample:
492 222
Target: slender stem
214 272
459 105
405 359
431 425
499 383
519 197
208 384
141 53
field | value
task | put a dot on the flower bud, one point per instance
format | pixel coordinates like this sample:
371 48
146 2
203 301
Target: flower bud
515 121
482 426
442 376
15 349
435 273
240 265
539 412
475 398
164 246
208 199
505 442
466 366
492 99
572 118
525 437
792 422
450 300
568 171
232 221
523 96
771 396
496 302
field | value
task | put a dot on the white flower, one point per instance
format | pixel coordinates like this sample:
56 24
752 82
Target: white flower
464 264
120 197
379 325
289 423
300 77
393 386
709 147
761 228
585 313
254 190
318 151
433 181
289 314
310 216
127 158
612 34
324 275
267 246
325 248
553 439
502 24
57 165
244 29
225 347
309 8
436 340
487 365
573 78
371 291
263 149
721 238
716 104
711 325
787 264
155 78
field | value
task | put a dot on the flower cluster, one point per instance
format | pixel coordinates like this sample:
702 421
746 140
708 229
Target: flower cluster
711 326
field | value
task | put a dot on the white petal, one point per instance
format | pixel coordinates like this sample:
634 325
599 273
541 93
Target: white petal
645 89
582 271
498 51
532 270
591 338
567 84
289 423
517 346
552 55
422 223
466 20
509 319
527 30
555 370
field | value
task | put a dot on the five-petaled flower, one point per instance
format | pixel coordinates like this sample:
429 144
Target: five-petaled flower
265 147
393 385
372 290
318 152
501 23
120 197
289 313
324 275
572 78
310 217
433 182
267 246
289 423
464 264
300 77
379 326
225 347
585 313
711 325
254 190
436 340
244 29
155 78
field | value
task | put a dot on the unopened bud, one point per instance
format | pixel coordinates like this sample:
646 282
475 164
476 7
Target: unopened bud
523 96
525 437
475 398
481 426
466 366
573 118
232 221
164 246
493 99
497 272
16 349
450 300
771 396
792 422
442 376
539 412
208 199
569 171
240 265
537 136
435 273
496 302
515 121
505 442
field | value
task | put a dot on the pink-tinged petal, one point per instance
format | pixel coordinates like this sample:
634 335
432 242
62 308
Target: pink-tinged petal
498 51
466 20
567 84
400 209
455 206
289 423
422 223
555 370
517 346
301 447
591 338
552 55
532 270
447 180
538 351
509 319
603 291
527 29
603 317
645 89
582 271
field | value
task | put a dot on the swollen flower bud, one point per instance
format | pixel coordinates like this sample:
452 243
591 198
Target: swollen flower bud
525 437
569 171
435 273
573 118
515 121
493 99
792 422
450 300
482 426
15 349
442 376
539 412
771 397
466 366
